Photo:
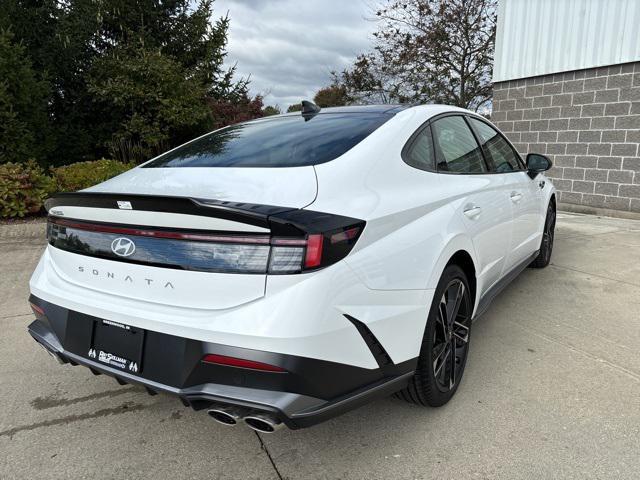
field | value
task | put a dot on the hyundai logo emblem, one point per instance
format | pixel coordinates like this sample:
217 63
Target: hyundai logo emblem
123 247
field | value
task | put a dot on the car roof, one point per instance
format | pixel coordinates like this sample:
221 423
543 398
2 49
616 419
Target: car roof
390 109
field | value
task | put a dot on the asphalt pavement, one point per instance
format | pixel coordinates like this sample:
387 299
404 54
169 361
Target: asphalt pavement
551 390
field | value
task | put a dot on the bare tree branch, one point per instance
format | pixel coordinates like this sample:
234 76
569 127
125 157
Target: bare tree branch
427 51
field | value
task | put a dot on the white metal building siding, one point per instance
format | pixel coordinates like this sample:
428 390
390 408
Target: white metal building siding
537 37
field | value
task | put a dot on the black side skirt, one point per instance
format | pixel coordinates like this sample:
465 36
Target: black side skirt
500 285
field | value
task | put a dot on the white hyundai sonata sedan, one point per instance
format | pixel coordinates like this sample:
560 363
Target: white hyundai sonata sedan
285 270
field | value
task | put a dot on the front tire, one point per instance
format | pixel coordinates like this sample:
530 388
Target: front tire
445 344
546 245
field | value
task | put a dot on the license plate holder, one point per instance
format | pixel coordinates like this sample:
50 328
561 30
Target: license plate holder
117 345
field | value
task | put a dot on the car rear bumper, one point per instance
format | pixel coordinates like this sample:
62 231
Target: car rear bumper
308 392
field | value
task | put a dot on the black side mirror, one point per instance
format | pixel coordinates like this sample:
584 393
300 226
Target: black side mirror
537 163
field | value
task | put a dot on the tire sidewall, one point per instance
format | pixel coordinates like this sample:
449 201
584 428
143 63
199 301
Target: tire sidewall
549 246
435 396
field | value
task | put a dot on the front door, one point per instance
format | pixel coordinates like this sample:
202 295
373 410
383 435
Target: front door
522 192
478 196
526 233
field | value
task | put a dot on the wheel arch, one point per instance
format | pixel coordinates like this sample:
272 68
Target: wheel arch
458 251
463 259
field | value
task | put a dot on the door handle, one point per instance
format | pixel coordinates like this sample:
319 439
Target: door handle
516 197
472 211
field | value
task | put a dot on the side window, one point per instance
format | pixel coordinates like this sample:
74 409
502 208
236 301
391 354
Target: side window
497 149
420 153
456 147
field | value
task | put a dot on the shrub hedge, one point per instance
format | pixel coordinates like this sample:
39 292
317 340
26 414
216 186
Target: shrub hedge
23 189
25 186
85 174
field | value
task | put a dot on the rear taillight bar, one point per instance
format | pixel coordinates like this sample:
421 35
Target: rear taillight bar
214 252
140 232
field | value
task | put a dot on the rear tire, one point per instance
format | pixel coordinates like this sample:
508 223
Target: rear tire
445 344
548 234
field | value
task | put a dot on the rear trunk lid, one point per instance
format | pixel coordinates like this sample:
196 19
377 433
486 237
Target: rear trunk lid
285 187
193 237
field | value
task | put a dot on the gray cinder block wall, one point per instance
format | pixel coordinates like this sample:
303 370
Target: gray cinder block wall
588 123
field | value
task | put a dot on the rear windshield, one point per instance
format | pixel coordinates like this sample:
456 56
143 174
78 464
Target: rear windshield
289 141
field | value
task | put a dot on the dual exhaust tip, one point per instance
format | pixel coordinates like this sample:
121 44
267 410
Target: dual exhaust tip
226 415
231 416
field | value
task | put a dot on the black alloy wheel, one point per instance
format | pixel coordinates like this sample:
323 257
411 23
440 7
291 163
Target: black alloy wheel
450 341
445 344
546 245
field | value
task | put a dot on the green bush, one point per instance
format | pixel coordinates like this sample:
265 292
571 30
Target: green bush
25 186
78 176
23 189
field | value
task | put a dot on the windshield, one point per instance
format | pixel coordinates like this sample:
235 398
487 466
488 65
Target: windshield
288 141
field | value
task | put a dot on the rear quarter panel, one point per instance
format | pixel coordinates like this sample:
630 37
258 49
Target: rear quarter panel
410 234
410 222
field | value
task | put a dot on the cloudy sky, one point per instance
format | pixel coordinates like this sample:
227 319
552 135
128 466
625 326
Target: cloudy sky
290 46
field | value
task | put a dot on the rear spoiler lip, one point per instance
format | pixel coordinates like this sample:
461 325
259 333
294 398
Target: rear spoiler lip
282 221
240 212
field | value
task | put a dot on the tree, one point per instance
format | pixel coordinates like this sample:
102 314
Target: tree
23 104
128 77
427 51
332 96
367 81
270 110
241 108
165 77
296 107
145 121
60 39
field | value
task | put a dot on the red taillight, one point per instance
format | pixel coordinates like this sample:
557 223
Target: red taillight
240 363
313 257
36 309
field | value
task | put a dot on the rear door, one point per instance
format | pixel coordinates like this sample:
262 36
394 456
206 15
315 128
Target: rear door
522 190
479 197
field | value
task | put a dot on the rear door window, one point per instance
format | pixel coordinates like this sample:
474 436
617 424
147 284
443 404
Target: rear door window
456 148
287 141
500 154
420 153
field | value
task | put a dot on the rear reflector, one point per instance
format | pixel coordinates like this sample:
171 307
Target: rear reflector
36 309
240 363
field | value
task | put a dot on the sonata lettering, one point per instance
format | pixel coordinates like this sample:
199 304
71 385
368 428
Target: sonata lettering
127 278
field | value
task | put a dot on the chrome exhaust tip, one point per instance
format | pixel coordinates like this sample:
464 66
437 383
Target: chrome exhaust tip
58 358
225 415
263 423
54 355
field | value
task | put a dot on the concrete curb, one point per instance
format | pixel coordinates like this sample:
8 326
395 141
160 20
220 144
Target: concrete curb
601 212
21 231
